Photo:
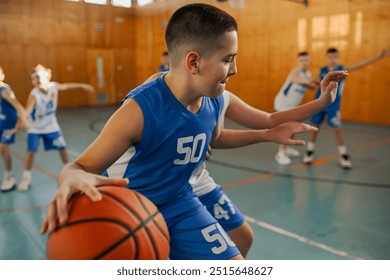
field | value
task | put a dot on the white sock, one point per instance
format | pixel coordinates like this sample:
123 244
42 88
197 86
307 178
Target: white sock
26 173
342 150
310 146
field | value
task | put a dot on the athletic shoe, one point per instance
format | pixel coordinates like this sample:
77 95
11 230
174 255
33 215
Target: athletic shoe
308 158
291 152
345 162
8 184
24 184
282 158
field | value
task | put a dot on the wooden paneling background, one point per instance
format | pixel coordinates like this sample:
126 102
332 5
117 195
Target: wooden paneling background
58 34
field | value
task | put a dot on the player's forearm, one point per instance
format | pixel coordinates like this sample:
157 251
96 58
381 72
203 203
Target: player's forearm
363 64
299 113
229 138
71 86
301 81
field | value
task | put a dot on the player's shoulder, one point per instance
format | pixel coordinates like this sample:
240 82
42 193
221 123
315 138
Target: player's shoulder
146 89
5 87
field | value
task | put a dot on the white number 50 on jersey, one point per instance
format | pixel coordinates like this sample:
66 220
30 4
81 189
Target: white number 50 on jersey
188 146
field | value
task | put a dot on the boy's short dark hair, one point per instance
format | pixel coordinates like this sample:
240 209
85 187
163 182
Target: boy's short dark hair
199 26
332 50
303 53
165 53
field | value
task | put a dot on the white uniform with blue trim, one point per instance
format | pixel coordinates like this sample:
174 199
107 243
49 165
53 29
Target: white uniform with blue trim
43 116
291 94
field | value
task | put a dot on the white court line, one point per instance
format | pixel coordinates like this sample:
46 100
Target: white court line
285 232
301 238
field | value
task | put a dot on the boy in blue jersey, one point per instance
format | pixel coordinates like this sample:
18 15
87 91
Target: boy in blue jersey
12 117
333 111
170 122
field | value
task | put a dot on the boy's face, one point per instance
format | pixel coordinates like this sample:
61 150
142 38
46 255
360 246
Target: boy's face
40 79
303 62
333 59
215 69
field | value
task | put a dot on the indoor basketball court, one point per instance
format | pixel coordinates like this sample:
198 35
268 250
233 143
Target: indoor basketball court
298 211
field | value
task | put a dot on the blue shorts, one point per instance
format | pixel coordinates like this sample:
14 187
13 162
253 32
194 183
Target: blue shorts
51 141
333 114
196 235
6 139
223 209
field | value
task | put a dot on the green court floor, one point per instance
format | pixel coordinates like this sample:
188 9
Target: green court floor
297 212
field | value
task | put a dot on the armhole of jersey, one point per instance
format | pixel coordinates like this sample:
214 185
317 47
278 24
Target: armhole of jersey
148 123
226 101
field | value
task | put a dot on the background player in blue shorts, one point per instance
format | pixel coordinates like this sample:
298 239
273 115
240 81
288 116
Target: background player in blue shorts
333 111
42 107
170 122
12 117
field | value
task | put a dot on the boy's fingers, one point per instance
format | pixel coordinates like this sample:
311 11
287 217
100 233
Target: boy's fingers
106 181
306 127
51 217
44 226
294 142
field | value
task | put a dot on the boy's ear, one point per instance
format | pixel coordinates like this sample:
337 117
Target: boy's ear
192 62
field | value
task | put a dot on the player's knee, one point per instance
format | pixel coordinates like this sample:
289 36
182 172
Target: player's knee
3 149
243 237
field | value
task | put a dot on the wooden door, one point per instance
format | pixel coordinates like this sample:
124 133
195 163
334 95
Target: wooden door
101 76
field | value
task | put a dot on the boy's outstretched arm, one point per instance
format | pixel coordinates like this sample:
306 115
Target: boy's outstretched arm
384 53
69 86
250 117
281 134
123 129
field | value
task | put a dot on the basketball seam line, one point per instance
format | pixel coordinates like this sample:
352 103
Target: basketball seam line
132 233
156 253
144 223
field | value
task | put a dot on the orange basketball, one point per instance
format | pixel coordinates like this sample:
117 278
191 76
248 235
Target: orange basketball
124 225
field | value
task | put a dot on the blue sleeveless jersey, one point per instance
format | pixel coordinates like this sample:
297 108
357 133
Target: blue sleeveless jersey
340 88
8 114
173 144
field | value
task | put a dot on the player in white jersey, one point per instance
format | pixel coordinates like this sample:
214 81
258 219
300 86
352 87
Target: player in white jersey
211 194
291 95
42 106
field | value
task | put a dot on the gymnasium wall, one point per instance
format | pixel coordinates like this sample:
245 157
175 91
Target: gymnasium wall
272 32
68 36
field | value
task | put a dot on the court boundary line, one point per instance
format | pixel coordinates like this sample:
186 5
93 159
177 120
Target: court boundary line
268 174
301 238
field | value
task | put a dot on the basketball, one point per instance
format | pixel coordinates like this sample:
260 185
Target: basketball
124 225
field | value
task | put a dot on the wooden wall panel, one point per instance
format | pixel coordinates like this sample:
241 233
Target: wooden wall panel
272 32
124 72
16 74
71 68
57 34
